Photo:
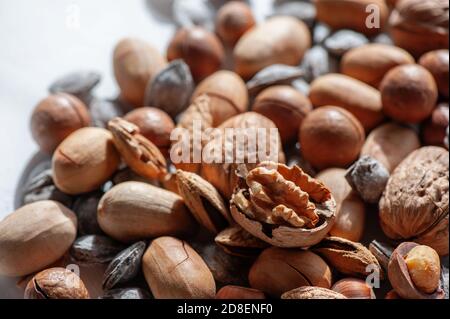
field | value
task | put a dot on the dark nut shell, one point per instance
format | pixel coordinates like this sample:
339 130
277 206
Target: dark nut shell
434 129
275 74
437 62
94 249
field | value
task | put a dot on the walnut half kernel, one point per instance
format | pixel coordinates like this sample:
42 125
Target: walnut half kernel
283 206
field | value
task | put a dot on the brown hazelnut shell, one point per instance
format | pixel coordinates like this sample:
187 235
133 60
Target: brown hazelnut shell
437 62
354 288
233 20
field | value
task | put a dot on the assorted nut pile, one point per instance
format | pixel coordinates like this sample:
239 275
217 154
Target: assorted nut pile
361 106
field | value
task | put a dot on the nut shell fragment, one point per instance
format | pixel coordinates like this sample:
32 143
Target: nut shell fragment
312 293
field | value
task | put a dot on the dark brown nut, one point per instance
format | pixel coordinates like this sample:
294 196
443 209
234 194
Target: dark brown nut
437 62
331 136
204 201
227 94
353 14
342 41
154 124
360 99
382 252
368 177
392 295
35 236
434 129
276 74
409 93
141 155
312 293
56 283
85 207
279 270
353 288
236 292
199 48
283 206
223 176
414 272
174 270
79 84
288 41
279 103
233 20
125 266
171 89
420 26
84 161
236 241
369 63
135 64
94 249
55 118
127 293
104 110
414 205
390 143
349 258
132 211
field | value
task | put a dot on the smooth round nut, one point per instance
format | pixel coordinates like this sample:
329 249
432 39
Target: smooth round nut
424 268
434 129
135 63
35 236
437 62
55 118
233 20
154 124
56 283
331 137
409 93
84 161
199 48
286 107
353 288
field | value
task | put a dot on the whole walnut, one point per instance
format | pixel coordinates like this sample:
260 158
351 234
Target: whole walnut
414 206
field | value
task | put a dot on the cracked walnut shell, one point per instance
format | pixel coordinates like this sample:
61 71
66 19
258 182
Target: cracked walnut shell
283 206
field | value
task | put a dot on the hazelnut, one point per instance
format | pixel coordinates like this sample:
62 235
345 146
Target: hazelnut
414 272
392 295
331 136
199 48
55 118
409 93
353 288
84 161
236 292
135 64
434 129
282 102
56 283
437 62
233 20
154 124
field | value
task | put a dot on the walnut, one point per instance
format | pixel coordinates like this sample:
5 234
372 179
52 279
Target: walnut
282 206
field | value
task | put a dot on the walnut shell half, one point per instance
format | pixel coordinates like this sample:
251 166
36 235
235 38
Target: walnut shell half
283 206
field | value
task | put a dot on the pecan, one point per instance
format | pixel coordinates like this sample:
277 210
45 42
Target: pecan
236 241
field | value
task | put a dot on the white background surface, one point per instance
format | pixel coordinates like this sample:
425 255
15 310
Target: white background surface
37 45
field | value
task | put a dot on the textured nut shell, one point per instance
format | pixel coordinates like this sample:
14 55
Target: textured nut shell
312 293
282 102
55 118
353 288
35 236
350 14
133 210
400 279
236 292
360 99
390 143
174 270
204 201
414 205
227 93
437 62
279 270
56 283
238 242
289 39
84 161
369 63
135 64
331 137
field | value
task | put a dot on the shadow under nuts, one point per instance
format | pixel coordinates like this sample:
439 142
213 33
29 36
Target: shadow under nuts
279 270
133 210
174 270
35 236
84 161
331 136
414 205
